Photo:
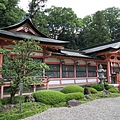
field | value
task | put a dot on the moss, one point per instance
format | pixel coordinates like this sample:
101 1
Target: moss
72 89
98 87
76 96
92 90
113 90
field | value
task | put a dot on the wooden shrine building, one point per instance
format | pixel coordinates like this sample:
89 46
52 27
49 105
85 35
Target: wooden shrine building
66 66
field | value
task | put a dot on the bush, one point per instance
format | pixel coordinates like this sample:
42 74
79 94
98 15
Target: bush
113 90
72 89
6 101
87 85
0 103
61 104
50 97
107 87
98 87
76 96
92 90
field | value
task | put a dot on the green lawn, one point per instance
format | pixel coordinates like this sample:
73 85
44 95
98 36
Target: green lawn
29 109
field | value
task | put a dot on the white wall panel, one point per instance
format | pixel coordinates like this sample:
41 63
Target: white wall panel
67 81
54 82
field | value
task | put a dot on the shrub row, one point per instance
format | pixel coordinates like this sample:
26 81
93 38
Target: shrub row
72 88
52 97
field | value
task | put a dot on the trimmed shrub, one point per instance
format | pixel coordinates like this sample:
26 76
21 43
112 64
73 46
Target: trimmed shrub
50 97
107 87
93 90
87 85
61 104
72 89
98 87
76 96
113 90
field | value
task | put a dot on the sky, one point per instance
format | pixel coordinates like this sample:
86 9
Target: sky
81 7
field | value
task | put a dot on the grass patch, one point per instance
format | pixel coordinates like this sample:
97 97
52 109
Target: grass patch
30 109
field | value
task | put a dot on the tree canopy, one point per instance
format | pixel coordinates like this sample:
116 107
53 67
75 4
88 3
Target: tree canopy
10 13
20 67
63 23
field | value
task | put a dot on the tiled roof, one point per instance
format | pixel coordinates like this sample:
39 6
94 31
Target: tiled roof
74 53
18 35
114 45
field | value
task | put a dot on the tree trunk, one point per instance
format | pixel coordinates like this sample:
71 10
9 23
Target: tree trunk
12 98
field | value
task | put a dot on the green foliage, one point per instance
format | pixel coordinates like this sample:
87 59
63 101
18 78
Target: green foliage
6 101
75 95
87 85
10 13
1 103
65 26
113 90
50 97
98 87
95 30
61 104
93 90
107 87
38 16
71 89
23 66
112 15
28 109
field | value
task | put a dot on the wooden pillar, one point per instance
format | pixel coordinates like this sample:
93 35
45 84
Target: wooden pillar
47 86
60 73
75 73
2 90
87 73
97 80
34 88
1 59
108 72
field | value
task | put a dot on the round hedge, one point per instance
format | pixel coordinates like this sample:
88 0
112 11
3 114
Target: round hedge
50 97
72 89
93 90
113 90
76 96
98 87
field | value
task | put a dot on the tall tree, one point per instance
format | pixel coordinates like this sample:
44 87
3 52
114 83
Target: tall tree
36 12
21 67
63 24
96 29
10 13
112 16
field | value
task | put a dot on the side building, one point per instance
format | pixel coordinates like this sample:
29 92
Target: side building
66 66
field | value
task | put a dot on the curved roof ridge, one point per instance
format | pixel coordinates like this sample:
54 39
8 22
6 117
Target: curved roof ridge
27 19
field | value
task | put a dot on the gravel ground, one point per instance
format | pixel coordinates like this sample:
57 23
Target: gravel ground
100 109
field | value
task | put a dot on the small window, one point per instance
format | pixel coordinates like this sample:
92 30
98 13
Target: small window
67 71
80 71
54 70
92 71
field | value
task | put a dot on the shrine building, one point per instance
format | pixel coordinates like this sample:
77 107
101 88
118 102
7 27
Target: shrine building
66 66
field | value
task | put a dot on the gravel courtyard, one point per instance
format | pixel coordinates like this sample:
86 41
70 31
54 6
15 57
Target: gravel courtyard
100 109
